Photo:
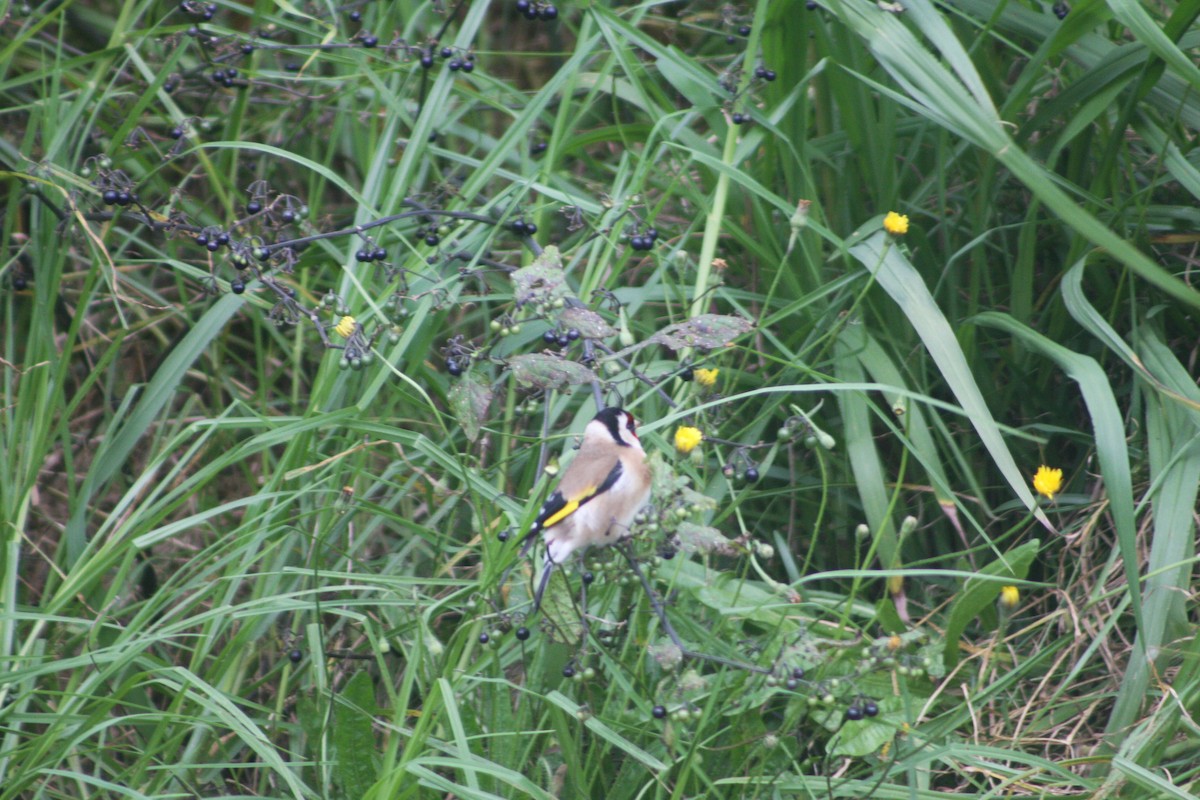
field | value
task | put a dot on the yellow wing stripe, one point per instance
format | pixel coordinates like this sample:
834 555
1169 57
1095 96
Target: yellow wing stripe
567 510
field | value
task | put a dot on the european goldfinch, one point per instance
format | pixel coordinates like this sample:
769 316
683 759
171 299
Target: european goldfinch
599 494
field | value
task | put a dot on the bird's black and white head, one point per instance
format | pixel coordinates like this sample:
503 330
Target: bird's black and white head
615 425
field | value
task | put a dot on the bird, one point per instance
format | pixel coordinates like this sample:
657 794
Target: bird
599 495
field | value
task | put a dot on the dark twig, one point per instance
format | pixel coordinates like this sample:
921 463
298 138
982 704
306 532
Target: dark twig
661 612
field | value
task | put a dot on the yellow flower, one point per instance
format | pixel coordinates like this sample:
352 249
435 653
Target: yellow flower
895 224
706 377
1010 596
345 327
687 438
1047 481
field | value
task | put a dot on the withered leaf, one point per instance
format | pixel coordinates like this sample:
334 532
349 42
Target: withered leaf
543 281
590 324
469 400
707 331
542 371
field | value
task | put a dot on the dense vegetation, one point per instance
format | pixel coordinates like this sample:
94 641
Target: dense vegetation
303 304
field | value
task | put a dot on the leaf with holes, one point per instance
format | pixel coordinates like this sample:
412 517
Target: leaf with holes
707 331
543 281
469 399
541 371
590 324
702 538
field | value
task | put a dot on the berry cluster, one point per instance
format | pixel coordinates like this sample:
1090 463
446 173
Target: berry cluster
205 11
742 31
458 354
365 255
523 228
561 338
644 241
225 77
535 9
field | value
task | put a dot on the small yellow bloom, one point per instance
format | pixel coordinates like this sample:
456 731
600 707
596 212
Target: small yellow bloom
1010 596
1047 481
706 377
345 327
687 438
895 224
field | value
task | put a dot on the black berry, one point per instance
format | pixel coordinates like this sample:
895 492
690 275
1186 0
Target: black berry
573 334
659 712
124 198
549 12
370 40
468 66
176 133
378 254
356 15
426 60
588 577
454 65
237 287
484 638
798 673
687 374
253 207
453 367
522 634
568 671
432 239
288 215
871 708
295 656
447 52
743 30
854 713
362 256
550 337
109 197
20 282
751 474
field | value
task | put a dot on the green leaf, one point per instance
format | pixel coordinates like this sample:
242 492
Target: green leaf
980 592
897 276
354 744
